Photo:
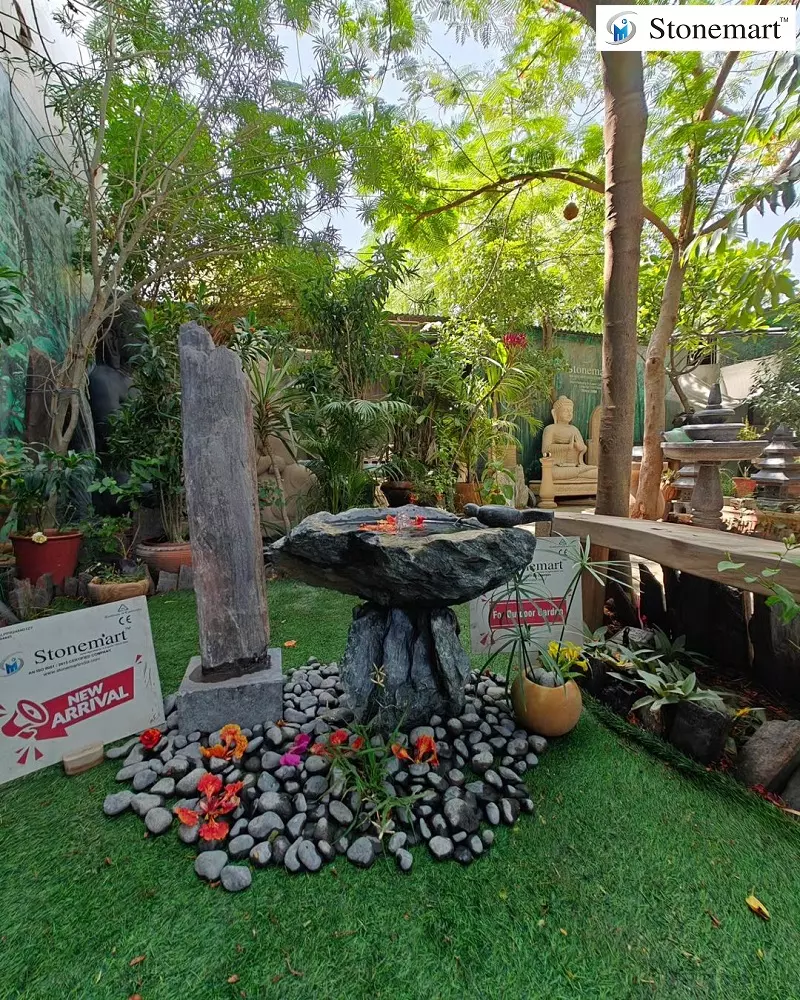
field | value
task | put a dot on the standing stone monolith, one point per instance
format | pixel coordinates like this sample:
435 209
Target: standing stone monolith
236 678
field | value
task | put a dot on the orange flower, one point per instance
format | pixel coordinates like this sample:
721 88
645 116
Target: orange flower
401 753
319 750
187 816
339 737
232 745
149 738
357 743
426 751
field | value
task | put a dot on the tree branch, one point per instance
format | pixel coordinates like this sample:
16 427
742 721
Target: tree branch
581 178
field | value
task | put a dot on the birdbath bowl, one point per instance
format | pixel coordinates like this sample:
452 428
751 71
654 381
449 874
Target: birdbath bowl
404 660
707 496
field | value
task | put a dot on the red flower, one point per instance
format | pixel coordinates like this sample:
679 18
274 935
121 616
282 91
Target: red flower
339 737
357 743
426 751
515 340
401 753
209 785
215 829
419 522
149 738
216 802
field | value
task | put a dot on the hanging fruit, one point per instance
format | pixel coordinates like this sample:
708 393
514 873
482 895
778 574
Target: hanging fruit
571 210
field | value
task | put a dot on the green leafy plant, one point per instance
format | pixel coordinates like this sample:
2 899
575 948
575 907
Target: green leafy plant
145 436
786 603
668 686
12 301
47 490
363 769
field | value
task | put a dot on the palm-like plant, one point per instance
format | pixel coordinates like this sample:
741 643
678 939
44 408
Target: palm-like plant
275 396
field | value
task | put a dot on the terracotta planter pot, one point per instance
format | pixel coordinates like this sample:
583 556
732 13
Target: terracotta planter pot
397 492
745 487
168 556
546 711
110 593
58 556
467 493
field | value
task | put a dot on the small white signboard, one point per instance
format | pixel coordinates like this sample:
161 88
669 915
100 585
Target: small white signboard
71 680
545 603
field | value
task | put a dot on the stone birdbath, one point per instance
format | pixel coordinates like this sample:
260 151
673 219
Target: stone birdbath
713 440
404 661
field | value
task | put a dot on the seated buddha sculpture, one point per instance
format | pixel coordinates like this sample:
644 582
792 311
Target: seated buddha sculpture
564 468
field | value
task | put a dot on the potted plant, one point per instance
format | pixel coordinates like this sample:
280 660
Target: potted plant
146 438
665 687
744 485
44 491
12 453
545 698
117 576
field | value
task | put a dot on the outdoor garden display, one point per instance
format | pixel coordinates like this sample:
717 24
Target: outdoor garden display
404 660
317 786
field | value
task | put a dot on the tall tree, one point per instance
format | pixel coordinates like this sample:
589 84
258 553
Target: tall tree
507 140
183 144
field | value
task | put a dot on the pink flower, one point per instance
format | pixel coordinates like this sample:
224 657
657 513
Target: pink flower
291 760
301 743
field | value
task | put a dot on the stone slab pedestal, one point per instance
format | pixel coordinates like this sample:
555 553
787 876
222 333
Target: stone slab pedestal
247 700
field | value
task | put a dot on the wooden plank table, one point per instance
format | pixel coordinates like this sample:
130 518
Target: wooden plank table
684 547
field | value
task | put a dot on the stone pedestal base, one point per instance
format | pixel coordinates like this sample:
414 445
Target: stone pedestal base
248 700
403 665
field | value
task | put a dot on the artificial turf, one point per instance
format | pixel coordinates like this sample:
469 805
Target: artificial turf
629 882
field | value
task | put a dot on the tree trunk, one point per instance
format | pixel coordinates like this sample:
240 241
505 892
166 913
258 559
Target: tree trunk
70 379
647 505
624 130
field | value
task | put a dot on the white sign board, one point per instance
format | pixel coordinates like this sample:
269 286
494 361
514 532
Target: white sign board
71 680
545 603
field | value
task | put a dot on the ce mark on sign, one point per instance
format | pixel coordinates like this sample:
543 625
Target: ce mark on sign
124 615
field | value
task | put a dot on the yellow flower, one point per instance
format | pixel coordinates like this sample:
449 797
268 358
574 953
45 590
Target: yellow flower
39 537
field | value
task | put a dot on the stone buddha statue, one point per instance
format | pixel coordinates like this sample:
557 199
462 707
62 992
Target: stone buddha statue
564 442
564 468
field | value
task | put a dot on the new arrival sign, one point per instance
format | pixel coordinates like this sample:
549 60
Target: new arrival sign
75 679
543 601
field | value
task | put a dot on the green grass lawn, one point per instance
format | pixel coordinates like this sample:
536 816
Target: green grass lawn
609 891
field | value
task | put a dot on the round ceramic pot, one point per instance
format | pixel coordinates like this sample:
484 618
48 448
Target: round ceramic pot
397 493
546 711
110 593
467 493
167 556
58 556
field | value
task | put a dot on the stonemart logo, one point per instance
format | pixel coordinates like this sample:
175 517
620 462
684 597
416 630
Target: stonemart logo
696 28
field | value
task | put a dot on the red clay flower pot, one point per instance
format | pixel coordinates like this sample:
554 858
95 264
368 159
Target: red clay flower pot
58 556
166 556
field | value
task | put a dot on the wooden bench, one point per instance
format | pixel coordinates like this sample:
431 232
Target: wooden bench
684 547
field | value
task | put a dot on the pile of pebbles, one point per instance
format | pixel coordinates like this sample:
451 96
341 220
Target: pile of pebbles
303 817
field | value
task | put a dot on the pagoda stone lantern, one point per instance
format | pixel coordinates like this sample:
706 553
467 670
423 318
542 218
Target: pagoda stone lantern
778 476
711 439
